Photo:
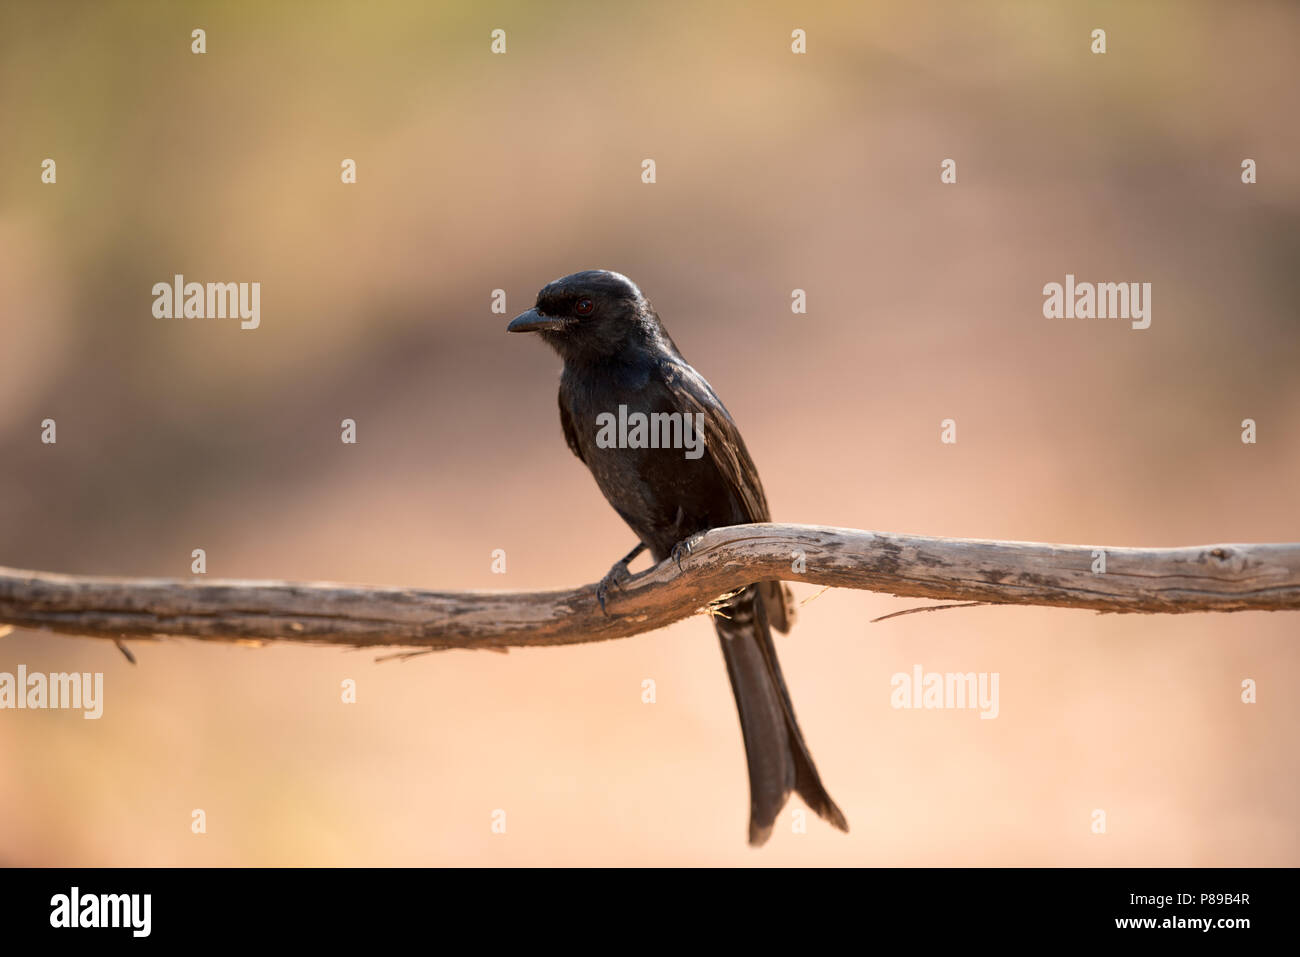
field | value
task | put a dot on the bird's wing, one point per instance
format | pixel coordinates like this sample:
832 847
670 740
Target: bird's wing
722 442
570 433
726 449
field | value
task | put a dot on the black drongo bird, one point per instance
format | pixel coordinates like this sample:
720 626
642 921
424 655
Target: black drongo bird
616 354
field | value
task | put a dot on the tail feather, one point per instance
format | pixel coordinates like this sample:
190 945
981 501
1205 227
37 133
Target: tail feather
775 750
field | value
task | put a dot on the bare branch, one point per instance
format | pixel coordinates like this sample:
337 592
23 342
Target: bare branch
1159 580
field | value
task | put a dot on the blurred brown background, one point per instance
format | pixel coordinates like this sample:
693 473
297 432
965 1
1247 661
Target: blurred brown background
775 171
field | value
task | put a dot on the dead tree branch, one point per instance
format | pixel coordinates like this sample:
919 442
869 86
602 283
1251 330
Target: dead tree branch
1151 580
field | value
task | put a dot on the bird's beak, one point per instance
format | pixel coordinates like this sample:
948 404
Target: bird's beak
533 321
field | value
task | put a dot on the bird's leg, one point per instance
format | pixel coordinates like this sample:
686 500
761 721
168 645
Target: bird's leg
617 575
686 544
684 548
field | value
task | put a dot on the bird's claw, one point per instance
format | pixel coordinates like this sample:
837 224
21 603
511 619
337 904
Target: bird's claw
615 578
683 549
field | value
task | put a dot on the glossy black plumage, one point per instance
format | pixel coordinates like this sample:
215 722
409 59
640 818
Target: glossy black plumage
616 353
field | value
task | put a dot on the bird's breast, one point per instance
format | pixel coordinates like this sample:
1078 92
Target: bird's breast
649 459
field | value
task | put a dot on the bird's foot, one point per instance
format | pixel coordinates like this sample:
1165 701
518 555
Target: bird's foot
614 578
684 549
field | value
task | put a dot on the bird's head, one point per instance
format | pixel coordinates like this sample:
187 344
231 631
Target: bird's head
591 315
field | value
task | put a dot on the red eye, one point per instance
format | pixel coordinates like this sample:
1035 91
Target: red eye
583 307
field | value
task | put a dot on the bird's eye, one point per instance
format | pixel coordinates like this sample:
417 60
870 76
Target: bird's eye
584 307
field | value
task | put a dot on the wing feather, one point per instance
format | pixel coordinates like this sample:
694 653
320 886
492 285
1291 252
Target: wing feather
727 450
